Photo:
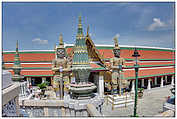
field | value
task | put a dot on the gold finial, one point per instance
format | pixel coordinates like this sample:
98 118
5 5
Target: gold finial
80 22
61 39
88 30
17 47
116 43
79 19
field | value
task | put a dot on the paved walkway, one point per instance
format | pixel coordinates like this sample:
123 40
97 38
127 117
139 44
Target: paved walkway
151 104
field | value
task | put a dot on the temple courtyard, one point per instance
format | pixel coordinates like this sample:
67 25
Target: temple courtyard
150 105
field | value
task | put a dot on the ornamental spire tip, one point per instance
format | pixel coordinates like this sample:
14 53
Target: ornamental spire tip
17 46
61 39
116 43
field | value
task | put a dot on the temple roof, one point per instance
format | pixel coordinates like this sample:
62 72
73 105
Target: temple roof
128 74
126 52
38 63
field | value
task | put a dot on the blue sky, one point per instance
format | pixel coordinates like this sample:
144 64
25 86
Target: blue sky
37 25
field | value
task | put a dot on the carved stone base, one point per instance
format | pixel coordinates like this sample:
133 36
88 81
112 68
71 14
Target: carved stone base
82 91
81 105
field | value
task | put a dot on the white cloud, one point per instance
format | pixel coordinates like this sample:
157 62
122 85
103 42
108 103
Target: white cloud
39 41
156 24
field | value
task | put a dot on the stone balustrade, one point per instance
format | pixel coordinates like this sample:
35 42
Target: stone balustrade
55 108
93 112
10 106
23 89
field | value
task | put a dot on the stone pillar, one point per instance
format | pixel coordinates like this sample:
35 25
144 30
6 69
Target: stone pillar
46 111
22 89
62 112
133 86
28 82
149 84
43 79
61 86
29 78
20 93
155 81
161 84
72 112
166 79
101 84
142 82
172 80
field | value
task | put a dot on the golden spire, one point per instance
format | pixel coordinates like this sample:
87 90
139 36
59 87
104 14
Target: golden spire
17 47
88 30
80 19
80 22
116 43
61 39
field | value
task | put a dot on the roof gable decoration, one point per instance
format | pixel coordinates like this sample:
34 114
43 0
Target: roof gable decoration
92 51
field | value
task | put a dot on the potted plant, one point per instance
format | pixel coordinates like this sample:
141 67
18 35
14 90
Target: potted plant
140 92
43 86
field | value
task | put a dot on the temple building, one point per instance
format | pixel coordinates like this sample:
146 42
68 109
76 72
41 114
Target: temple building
157 65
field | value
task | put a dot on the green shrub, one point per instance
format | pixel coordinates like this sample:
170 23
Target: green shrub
140 89
43 85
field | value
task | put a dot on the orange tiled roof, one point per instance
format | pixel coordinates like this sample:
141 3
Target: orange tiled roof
145 54
30 57
127 73
125 53
30 65
35 73
149 63
146 72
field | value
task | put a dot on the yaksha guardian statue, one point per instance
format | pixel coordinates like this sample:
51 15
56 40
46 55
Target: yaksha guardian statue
60 66
117 63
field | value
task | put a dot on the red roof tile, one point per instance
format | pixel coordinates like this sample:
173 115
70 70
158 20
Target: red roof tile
35 73
146 72
93 65
30 57
148 54
149 63
125 53
30 65
145 54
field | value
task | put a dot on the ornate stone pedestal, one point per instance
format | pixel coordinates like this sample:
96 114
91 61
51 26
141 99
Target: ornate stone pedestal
120 101
79 107
81 91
